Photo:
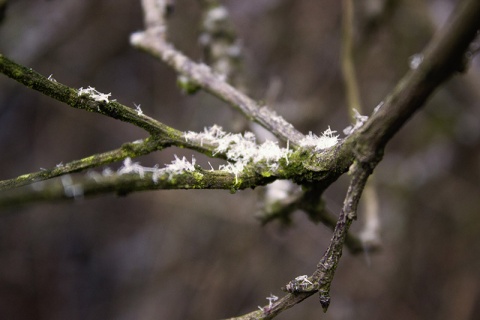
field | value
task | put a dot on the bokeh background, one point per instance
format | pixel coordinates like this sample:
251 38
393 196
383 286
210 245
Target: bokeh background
202 254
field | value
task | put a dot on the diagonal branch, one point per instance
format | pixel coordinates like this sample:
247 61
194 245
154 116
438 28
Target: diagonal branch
153 41
133 149
445 55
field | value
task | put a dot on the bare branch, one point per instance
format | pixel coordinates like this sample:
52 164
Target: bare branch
153 42
130 178
445 55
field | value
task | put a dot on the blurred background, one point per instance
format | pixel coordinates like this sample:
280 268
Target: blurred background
203 254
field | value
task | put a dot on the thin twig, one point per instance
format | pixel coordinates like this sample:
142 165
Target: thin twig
132 150
348 66
370 234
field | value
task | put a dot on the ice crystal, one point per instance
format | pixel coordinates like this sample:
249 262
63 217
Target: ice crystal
131 167
239 149
359 121
326 140
179 165
415 61
70 189
51 78
95 94
137 107
378 107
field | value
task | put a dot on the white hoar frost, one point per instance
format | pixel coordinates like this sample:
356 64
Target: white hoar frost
176 167
359 121
326 140
240 149
95 94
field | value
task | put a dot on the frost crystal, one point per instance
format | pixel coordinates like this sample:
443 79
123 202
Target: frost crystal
415 61
240 149
137 107
378 107
179 165
278 119
70 189
359 121
271 299
326 140
50 77
131 167
94 94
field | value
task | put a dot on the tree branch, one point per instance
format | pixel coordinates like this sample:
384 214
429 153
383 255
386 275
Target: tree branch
153 42
130 178
133 149
445 55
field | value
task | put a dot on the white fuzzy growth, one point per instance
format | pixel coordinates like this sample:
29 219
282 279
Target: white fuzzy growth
131 167
278 119
415 61
240 149
359 121
180 165
326 140
278 191
50 77
107 172
94 94
176 167
70 189
272 298
139 110
378 107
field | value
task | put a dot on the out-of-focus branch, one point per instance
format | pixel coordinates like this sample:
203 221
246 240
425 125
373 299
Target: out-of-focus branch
370 235
130 178
283 206
348 65
3 8
222 49
303 287
153 41
133 149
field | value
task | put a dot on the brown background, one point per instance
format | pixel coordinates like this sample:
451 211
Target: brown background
202 254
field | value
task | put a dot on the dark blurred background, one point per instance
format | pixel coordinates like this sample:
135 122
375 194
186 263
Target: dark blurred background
202 254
